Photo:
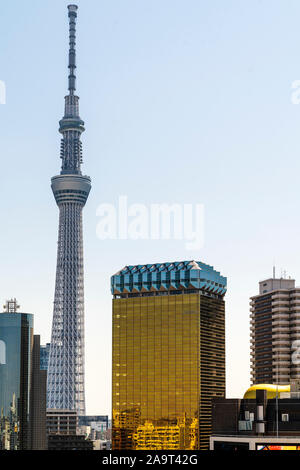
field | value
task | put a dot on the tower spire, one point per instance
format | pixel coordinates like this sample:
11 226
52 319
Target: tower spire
71 126
72 51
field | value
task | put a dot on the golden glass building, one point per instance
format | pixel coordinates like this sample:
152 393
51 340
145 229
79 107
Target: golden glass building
168 354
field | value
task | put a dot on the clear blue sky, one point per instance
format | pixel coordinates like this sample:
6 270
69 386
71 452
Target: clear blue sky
184 101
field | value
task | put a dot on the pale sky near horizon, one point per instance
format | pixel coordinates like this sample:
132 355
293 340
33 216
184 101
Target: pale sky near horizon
184 102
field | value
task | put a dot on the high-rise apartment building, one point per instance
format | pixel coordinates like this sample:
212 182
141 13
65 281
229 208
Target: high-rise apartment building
275 331
168 354
66 387
22 383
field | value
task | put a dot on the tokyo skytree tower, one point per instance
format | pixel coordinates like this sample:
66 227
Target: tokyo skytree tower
65 383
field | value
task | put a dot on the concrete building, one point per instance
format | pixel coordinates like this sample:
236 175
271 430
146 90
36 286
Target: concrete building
64 431
102 445
94 427
267 418
275 332
62 422
69 442
168 354
98 422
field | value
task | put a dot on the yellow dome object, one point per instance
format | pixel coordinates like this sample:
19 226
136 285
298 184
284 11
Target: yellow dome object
272 390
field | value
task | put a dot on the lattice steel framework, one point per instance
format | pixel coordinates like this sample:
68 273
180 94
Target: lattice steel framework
71 189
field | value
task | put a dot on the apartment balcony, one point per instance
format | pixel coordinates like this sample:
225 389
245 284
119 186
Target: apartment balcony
280 296
281 357
286 345
281 348
281 319
281 379
280 334
280 305
281 338
295 317
281 369
285 312
281 313
295 334
295 330
283 365
280 331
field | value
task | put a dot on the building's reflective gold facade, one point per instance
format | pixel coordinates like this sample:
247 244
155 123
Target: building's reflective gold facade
168 362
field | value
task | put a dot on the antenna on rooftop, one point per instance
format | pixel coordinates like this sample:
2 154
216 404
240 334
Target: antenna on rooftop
11 306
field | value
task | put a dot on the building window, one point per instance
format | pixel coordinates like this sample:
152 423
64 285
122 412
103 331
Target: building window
285 418
245 425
